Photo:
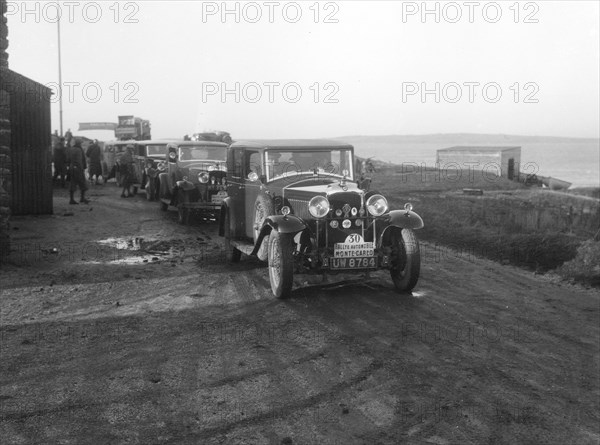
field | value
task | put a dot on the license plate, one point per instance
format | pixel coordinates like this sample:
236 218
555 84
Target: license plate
219 197
353 263
354 250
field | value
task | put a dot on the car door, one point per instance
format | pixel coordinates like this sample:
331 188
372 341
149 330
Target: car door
236 189
252 163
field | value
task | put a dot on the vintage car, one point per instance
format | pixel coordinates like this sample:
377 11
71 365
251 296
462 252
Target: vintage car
296 205
193 178
113 150
150 162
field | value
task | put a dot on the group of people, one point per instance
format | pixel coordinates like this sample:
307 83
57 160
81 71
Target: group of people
70 164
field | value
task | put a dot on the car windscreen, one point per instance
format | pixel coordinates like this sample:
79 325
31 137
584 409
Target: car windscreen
156 150
325 162
200 152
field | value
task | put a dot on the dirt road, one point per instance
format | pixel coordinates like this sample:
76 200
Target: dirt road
135 330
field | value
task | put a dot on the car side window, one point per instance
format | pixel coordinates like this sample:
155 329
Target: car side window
254 163
236 159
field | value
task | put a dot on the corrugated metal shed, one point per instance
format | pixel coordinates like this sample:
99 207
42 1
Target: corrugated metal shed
30 141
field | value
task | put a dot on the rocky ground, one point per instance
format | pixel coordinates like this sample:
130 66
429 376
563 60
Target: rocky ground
120 326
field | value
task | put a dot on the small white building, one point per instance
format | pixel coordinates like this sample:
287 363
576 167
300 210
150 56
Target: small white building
505 160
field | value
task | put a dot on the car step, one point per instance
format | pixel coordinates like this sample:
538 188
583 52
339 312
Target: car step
243 246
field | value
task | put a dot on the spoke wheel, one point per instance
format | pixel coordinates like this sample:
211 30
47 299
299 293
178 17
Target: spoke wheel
263 208
281 263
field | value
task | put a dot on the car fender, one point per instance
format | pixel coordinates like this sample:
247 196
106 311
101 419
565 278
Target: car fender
405 220
184 185
283 224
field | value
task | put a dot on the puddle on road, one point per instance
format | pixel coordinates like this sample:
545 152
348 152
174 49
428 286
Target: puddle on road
122 243
139 250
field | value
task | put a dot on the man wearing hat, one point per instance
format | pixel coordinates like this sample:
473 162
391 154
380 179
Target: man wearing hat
77 166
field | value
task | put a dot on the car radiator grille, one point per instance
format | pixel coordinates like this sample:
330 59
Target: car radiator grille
300 208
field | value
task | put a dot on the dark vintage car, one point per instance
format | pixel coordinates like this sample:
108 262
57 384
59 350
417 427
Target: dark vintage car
151 162
112 152
194 178
296 205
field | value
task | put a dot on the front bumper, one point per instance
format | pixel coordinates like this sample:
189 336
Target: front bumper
201 196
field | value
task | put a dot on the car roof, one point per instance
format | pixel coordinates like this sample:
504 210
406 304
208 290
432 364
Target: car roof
157 141
196 143
300 144
131 141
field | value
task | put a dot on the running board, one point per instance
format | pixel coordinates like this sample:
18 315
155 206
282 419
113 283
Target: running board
243 246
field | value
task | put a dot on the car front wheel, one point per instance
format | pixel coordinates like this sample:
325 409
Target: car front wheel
263 208
405 259
281 263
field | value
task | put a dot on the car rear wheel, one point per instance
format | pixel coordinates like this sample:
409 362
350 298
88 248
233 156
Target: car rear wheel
232 254
405 259
149 189
183 214
263 208
281 263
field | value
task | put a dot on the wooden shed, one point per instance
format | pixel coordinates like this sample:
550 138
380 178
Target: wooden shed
25 158
504 160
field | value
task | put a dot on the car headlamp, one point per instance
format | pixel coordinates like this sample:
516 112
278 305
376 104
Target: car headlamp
203 177
318 207
408 207
161 166
377 205
285 210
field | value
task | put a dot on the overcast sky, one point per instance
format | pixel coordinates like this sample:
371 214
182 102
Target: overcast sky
319 69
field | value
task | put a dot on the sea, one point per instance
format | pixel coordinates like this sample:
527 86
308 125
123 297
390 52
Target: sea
575 162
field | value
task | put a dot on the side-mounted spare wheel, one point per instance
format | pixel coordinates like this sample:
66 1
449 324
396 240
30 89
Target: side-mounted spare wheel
263 208
405 259
281 263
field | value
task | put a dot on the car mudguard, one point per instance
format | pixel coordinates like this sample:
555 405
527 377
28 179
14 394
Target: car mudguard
184 185
405 220
283 224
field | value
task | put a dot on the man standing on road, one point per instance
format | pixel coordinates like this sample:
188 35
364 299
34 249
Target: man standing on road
59 158
95 154
77 165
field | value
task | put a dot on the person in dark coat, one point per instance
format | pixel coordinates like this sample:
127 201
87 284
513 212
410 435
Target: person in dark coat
77 166
59 157
126 170
94 153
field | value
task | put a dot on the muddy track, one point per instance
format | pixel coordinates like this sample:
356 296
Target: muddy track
157 339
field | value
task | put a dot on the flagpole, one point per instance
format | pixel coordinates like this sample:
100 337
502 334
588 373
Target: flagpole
60 80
